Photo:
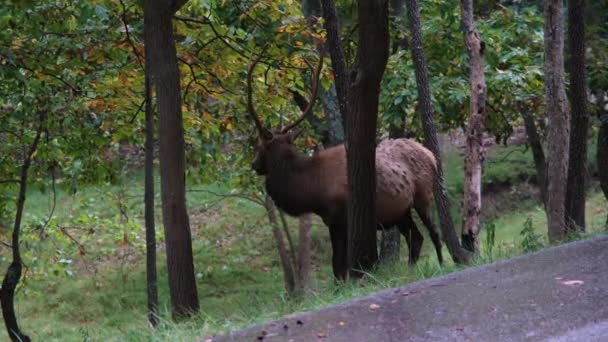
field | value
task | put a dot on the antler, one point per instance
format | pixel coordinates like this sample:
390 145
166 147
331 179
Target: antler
315 87
264 133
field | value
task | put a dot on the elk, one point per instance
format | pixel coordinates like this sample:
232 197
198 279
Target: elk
300 184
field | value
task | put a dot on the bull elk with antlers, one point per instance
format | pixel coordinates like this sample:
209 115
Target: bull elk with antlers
301 184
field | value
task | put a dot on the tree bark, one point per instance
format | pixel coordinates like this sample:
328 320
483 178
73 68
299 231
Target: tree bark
13 274
333 132
459 255
602 148
558 136
537 151
164 76
579 120
286 264
361 122
474 154
304 260
151 278
390 241
338 63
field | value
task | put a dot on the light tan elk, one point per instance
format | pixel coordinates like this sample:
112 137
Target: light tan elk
301 184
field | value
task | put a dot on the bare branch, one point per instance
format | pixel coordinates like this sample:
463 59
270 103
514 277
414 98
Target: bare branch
252 199
126 25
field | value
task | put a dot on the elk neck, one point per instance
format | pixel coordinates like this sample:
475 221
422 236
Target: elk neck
291 183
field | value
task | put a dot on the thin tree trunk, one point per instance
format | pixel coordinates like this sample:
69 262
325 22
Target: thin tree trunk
333 132
390 241
602 148
558 136
459 255
288 272
164 76
338 63
151 278
13 274
333 118
304 260
579 121
537 151
372 56
474 154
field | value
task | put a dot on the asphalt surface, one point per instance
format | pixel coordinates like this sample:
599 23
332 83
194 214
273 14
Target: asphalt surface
559 294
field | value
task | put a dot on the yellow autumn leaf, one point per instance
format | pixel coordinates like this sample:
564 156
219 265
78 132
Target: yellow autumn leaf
123 78
207 116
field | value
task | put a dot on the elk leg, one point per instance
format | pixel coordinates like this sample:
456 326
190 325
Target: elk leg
433 232
412 236
337 234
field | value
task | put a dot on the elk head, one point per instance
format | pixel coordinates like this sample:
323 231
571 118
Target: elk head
277 144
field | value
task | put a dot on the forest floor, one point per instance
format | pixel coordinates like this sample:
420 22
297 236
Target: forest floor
557 294
85 268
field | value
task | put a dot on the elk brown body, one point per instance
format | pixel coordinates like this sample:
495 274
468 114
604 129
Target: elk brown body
301 184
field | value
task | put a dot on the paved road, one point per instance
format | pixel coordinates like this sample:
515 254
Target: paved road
559 294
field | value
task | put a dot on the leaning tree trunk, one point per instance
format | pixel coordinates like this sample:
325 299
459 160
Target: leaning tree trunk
151 278
304 261
602 148
459 255
577 166
286 262
13 274
164 76
537 151
558 136
361 122
471 206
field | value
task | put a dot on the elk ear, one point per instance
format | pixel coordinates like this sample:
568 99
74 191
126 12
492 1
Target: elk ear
294 134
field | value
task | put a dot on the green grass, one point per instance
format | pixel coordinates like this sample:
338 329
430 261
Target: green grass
99 295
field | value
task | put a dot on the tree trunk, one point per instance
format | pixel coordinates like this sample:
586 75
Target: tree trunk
304 260
333 134
537 151
288 272
333 118
557 111
474 154
164 76
151 278
13 274
459 255
579 121
372 56
338 63
390 241
602 148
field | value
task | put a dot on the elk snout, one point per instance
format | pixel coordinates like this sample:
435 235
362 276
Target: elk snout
258 166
